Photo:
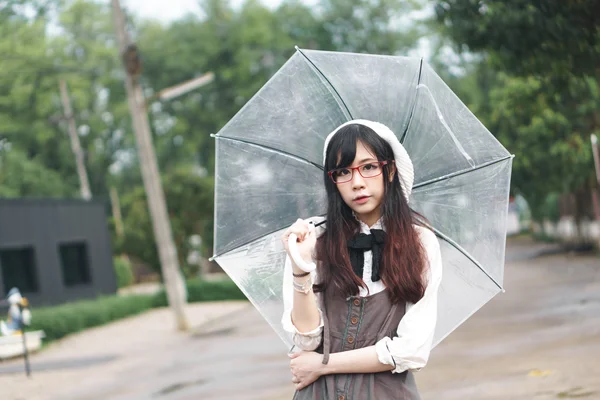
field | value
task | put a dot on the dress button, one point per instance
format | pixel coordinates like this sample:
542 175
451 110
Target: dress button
350 340
356 302
354 320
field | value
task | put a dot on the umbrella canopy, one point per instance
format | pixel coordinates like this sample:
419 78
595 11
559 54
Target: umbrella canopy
269 173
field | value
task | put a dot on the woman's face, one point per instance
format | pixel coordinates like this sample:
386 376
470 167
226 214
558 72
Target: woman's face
363 195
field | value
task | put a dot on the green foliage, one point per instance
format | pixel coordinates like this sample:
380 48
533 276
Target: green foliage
31 114
537 84
545 37
243 46
549 208
60 321
123 271
201 291
185 190
370 27
188 187
547 131
22 176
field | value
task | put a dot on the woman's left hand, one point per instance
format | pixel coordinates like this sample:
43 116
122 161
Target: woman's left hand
306 367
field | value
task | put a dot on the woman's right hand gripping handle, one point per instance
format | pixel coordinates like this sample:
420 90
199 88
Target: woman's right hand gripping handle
299 241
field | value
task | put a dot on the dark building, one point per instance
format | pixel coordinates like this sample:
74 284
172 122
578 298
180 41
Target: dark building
55 250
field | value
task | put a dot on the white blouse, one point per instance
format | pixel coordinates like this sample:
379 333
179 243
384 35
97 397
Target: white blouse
410 349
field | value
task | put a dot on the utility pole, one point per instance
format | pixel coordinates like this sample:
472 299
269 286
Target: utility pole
116 211
595 197
174 283
594 140
84 184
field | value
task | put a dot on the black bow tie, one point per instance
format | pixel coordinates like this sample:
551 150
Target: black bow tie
361 243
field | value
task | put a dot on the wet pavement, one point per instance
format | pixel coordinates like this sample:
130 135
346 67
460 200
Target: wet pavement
539 340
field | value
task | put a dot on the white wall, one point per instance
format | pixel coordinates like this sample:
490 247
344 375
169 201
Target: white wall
566 230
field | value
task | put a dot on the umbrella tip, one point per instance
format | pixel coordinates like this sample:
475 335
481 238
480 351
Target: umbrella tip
297 48
212 135
211 259
503 290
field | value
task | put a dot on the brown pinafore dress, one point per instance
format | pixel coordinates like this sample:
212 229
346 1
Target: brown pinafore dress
355 323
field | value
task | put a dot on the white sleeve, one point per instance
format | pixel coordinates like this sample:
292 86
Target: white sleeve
307 341
410 349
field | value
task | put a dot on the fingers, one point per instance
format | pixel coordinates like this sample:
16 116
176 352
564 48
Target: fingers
294 355
300 228
298 385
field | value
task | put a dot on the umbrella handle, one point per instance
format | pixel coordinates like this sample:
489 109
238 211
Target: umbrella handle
295 254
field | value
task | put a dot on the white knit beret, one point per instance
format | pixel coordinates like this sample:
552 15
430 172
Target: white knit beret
404 164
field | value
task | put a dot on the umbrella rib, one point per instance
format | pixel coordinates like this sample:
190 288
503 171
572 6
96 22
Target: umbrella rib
349 114
461 172
414 105
268 148
436 231
273 149
444 123
239 246
465 253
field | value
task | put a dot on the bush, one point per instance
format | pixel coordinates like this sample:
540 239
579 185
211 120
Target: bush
199 291
123 271
60 321
549 209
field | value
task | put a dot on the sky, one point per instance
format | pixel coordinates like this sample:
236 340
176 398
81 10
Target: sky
170 10
166 11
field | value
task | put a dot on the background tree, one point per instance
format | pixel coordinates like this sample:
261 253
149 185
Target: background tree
44 41
547 37
540 64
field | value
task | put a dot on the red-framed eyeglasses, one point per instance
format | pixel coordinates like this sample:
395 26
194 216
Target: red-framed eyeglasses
368 170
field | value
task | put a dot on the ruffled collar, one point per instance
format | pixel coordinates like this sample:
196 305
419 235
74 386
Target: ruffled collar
364 228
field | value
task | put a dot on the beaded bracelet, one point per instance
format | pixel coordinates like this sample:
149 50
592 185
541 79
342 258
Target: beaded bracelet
304 287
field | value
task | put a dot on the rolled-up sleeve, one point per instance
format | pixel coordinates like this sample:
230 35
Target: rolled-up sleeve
410 349
307 341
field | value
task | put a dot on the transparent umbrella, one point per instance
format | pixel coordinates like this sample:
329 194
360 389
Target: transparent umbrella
269 173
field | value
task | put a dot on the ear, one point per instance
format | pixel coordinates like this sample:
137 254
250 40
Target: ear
392 171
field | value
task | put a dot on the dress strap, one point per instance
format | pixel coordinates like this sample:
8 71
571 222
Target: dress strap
326 338
389 319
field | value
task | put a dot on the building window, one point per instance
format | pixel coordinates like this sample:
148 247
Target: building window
18 269
75 264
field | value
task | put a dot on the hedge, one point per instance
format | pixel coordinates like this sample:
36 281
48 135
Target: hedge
60 321
123 271
199 291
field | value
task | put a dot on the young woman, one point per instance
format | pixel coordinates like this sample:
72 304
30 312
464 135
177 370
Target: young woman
365 318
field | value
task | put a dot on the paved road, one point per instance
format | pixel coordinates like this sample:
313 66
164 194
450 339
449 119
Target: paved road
540 340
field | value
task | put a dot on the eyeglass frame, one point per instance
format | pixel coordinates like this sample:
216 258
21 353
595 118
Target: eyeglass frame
381 164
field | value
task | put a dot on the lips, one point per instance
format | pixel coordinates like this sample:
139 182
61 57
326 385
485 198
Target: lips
361 199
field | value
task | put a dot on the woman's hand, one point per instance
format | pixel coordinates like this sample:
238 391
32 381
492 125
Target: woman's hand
306 367
306 239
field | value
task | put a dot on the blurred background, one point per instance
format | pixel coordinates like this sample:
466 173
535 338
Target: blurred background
82 82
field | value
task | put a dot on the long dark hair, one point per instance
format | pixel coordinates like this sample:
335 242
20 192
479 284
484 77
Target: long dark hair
403 258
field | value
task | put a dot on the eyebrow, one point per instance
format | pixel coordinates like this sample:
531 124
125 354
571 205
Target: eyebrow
364 160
